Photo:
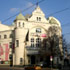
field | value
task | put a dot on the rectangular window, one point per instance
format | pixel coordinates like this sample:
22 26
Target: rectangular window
32 44
10 44
10 56
32 39
17 43
19 24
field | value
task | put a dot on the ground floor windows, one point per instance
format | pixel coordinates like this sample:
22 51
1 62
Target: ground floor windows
21 60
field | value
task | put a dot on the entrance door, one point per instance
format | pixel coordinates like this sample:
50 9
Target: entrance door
48 60
33 59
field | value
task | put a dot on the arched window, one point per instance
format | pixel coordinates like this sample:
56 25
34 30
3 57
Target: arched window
5 36
38 30
19 24
23 24
38 42
39 18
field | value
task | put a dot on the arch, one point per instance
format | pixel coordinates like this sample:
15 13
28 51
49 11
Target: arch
40 27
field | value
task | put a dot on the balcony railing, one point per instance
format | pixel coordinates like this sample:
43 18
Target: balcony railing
32 50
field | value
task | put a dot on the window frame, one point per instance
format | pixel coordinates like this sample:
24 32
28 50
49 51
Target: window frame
5 36
38 42
38 30
32 42
10 45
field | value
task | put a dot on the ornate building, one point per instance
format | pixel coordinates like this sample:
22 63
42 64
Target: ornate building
31 39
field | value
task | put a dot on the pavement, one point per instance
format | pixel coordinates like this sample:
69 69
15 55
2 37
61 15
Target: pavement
66 68
7 67
20 68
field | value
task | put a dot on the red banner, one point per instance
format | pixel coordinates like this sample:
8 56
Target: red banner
1 50
6 51
43 35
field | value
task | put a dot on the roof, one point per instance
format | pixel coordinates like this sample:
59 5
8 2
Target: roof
38 11
20 17
53 20
27 16
4 27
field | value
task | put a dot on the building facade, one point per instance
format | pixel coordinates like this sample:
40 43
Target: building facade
31 39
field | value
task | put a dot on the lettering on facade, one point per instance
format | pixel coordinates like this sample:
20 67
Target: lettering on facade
38 35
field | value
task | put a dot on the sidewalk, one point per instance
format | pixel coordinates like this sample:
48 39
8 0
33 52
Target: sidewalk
4 65
20 68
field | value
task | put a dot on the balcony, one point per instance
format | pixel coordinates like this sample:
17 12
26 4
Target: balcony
32 50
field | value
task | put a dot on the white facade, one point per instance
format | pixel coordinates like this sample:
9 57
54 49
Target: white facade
30 37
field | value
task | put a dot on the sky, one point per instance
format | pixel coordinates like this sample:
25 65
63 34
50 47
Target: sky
10 8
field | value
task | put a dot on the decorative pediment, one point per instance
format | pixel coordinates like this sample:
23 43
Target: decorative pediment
38 11
38 16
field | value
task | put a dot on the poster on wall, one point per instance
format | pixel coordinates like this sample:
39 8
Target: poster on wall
4 52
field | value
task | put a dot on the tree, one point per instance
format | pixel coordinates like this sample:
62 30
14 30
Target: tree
65 51
65 46
53 39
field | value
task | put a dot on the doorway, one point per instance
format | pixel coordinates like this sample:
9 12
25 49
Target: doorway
48 60
33 59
